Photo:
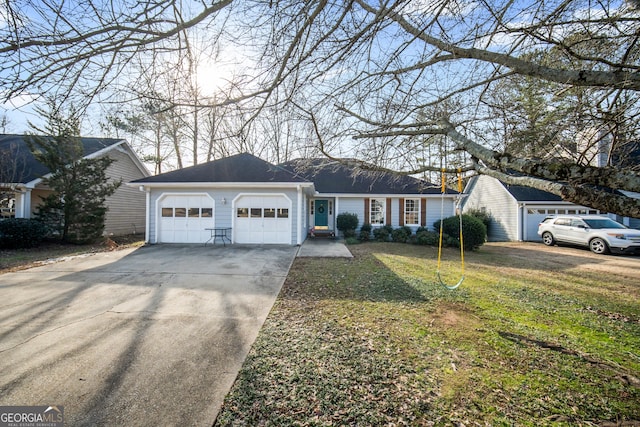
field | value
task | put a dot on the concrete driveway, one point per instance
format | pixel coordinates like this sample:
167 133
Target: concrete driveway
153 336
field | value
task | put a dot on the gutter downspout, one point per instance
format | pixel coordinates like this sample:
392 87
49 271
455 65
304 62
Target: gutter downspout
335 215
520 221
299 216
146 212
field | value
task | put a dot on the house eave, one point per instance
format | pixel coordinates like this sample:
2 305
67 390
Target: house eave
179 185
20 185
100 152
384 195
544 202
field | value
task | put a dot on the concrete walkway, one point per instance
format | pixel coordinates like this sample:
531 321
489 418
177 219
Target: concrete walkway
147 337
324 247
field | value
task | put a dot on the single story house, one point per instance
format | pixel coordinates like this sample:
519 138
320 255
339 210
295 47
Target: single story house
262 203
22 184
516 210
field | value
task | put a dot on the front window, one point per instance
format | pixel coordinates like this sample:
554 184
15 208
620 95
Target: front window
412 212
376 213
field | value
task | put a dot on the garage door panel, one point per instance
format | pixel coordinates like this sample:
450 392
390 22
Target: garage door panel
532 227
184 218
281 225
262 220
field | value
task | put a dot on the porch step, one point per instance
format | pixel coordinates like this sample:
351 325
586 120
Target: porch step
322 233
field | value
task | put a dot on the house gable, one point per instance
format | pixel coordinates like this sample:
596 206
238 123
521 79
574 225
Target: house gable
25 175
26 170
490 195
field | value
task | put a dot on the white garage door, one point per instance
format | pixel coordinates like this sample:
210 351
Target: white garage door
534 217
262 220
184 218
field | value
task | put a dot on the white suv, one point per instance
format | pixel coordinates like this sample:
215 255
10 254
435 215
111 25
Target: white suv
599 233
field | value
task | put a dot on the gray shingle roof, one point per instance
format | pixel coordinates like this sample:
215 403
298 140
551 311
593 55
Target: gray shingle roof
327 176
25 168
527 194
242 167
331 177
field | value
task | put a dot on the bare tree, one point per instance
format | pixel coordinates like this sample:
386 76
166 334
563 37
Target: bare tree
375 80
5 123
85 46
374 68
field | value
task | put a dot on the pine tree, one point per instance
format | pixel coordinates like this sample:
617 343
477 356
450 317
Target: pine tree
76 209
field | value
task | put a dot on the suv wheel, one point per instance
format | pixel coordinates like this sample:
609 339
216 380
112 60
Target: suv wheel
547 239
598 246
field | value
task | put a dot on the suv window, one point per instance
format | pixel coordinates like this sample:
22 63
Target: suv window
603 223
578 223
563 221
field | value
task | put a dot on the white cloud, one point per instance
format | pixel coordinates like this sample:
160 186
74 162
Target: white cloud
18 101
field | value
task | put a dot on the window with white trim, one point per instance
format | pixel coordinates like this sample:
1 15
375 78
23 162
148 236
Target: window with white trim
377 211
411 211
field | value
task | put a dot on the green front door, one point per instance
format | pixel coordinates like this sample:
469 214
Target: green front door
321 213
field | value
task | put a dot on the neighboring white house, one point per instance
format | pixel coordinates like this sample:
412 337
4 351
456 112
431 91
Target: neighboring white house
516 211
262 203
22 187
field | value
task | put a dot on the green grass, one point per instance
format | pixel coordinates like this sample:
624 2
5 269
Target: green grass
376 341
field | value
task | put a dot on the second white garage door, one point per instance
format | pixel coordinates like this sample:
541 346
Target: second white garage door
262 219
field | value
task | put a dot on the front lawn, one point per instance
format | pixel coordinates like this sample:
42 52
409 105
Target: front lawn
532 337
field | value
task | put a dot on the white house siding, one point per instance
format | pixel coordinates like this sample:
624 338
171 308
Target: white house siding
354 205
395 212
488 194
126 214
36 196
304 215
222 212
433 207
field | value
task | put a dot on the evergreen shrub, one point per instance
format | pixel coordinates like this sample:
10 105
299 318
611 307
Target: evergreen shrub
347 223
21 233
474 231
